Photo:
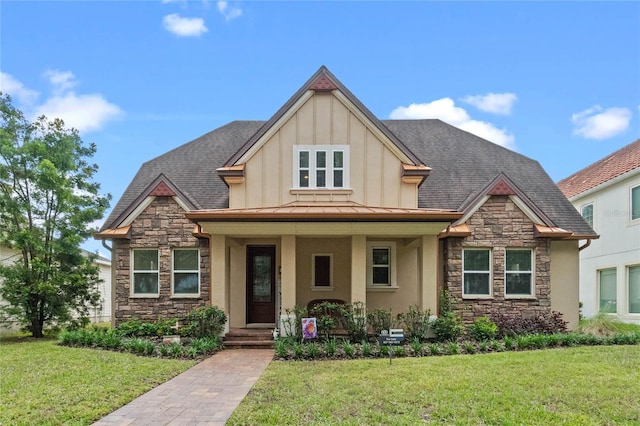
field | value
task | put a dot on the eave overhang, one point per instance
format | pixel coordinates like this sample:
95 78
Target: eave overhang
232 174
323 213
541 231
415 173
114 233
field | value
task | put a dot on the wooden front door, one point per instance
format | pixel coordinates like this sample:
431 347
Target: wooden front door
261 284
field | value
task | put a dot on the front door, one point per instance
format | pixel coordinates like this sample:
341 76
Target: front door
261 284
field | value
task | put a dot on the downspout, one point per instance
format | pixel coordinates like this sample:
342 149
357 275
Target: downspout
585 245
104 244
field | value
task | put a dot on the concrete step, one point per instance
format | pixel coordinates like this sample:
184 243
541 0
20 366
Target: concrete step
251 338
249 344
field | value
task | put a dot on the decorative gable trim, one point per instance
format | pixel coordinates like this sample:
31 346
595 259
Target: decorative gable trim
502 185
160 187
323 84
321 81
162 190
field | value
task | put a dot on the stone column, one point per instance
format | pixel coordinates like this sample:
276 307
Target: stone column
288 285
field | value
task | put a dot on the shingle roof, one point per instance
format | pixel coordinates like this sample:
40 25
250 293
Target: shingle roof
613 165
462 164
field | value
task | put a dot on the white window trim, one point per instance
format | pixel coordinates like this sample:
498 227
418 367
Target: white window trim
393 285
532 295
628 291
490 272
132 293
314 287
313 149
630 217
593 212
599 289
175 295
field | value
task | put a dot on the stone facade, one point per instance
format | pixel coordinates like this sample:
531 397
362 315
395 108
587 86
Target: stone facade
161 226
498 224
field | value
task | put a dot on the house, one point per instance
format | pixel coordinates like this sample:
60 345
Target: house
101 313
607 195
326 201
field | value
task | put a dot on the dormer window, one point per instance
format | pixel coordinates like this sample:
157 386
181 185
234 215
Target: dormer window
321 166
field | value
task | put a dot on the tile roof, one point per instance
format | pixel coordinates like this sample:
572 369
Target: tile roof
613 165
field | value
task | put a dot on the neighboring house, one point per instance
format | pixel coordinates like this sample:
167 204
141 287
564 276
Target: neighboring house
101 313
326 201
607 194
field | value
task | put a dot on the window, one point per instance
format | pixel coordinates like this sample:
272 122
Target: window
607 283
186 272
518 273
381 270
321 166
634 289
476 272
587 214
145 272
322 271
635 203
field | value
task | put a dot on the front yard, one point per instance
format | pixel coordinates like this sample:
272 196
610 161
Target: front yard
43 383
577 386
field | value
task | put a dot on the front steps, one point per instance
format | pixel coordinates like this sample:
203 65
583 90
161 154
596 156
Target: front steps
249 338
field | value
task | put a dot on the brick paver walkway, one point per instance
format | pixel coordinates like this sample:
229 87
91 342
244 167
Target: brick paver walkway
206 394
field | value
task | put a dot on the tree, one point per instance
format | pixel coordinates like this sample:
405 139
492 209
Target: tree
48 200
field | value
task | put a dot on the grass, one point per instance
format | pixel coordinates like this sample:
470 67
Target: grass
605 325
46 384
578 386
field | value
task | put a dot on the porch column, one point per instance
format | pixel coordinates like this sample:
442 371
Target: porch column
359 269
429 273
288 280
219 259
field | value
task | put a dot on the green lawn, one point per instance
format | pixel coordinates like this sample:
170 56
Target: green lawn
43 383
577 386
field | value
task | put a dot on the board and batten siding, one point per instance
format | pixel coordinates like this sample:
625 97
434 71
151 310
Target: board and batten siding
374 170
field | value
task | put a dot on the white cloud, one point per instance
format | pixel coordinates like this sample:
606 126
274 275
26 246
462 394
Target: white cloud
9 85
596 123
229 12
446 110
496 103
84 112
61 81
184 27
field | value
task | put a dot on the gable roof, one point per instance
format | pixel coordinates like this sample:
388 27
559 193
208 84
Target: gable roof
461 164
322 80
613 165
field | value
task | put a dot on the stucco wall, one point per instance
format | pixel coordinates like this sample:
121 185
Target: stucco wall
160 226
618 246
499 224
565 281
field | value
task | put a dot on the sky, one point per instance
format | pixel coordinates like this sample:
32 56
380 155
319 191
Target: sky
555 81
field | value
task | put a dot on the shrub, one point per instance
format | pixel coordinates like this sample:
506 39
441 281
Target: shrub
205 321
385 350
434 349
399 351
366 349
330 347
380 319
454 348
292 323
282 348
354 320
205 345
514 324
448 327
298 350
417 322
313 350
326 314
416 346
483 329
469 348
348 349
